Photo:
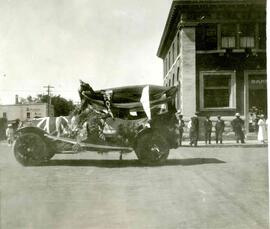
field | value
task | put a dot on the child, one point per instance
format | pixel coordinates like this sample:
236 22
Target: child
10 134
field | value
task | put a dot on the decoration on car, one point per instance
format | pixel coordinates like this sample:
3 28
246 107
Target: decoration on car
145 101
107 95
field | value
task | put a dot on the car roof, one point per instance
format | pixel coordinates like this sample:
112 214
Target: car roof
133 93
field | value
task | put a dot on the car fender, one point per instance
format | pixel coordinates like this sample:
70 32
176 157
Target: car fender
38 131
31 129
144 130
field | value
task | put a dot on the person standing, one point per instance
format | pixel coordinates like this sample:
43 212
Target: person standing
181 125
194 130
220 125
262 134
173 129
238 125
10 134
207 129
266 122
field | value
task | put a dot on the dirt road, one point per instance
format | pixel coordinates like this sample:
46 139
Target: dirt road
200 188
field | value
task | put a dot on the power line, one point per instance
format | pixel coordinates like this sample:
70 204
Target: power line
49 97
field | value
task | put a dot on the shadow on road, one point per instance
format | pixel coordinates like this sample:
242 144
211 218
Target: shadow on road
131 163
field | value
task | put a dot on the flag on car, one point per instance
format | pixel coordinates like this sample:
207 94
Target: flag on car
145 101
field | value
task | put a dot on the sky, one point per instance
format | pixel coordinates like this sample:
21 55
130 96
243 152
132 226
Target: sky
107 43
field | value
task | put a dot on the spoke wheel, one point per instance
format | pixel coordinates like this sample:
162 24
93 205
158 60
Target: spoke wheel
31 149
152 149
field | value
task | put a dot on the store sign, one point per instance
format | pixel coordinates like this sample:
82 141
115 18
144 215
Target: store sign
258 84
35 112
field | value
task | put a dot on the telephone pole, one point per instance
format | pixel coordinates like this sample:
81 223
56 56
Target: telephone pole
49 98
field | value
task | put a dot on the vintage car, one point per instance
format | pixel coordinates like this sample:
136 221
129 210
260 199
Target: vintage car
124 119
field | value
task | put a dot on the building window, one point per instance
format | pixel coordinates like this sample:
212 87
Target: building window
165 67
206 37
27 114
169 60
217 90
4 114
177 75
178 44
247 35
168 63
173 53
262 36
228 36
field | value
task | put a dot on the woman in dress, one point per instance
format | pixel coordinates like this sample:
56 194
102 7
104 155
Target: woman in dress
262 134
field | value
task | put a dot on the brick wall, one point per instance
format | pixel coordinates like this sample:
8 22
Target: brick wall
188 71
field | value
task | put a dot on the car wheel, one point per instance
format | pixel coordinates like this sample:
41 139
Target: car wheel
152 149
31 149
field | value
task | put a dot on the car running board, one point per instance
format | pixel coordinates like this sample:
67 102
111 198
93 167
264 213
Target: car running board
89 145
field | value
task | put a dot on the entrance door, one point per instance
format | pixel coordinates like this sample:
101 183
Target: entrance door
256 98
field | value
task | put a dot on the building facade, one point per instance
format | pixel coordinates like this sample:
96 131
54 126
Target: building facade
25 112
214 51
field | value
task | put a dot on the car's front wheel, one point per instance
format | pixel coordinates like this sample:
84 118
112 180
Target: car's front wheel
31 149
152 148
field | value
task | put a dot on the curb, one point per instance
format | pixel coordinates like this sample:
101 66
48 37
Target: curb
231 146
227 145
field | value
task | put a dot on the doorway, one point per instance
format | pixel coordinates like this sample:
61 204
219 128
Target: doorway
255 98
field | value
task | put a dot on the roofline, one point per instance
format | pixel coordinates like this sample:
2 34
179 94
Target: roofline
176 3
24 104
165 31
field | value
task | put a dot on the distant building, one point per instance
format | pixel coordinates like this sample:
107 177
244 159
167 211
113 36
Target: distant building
25 112
214 51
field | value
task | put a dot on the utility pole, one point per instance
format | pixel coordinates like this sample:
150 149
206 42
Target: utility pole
49 98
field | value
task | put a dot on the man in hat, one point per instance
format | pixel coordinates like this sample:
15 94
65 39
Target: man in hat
181 125
194 129
238 125
220 125
207 129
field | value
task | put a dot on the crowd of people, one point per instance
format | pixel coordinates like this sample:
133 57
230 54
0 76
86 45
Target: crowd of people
237 125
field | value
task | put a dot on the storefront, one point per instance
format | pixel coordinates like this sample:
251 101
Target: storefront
255 97
215 53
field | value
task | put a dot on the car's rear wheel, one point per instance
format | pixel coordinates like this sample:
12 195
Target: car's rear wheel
152 148
31 149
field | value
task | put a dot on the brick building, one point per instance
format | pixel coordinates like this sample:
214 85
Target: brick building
215 52
25 112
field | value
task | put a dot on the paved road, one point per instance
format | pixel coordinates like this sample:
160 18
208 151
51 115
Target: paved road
204 188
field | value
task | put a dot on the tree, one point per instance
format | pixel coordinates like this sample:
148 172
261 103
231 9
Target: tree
62 106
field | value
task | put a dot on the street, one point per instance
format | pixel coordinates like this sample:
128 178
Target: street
204 188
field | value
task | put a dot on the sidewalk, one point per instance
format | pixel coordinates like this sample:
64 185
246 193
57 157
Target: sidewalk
228 143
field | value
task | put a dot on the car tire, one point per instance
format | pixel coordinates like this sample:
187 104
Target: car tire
31 149
152 149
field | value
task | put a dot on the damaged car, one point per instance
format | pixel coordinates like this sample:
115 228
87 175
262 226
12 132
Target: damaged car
138 119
